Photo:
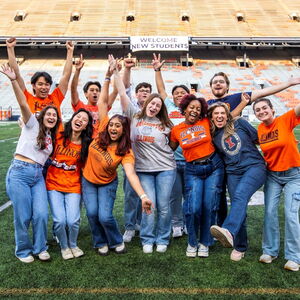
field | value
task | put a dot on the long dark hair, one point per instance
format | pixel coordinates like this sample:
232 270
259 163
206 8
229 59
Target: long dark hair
43 129
124 143
86 134
162 114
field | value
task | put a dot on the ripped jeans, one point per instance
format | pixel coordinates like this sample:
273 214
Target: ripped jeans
289 182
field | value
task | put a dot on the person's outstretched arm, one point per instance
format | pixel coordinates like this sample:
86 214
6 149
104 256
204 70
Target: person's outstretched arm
64 81
25 110
74 84
157 64
10 44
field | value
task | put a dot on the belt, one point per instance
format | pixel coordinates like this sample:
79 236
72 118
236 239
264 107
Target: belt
206 161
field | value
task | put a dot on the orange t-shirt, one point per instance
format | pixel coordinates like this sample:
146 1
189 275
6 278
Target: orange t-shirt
278 143
63 175
101 166
195 140
93 109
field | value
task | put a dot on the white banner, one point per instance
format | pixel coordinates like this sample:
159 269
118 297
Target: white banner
159 43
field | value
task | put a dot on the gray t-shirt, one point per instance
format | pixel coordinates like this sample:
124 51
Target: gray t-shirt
27 144
150 143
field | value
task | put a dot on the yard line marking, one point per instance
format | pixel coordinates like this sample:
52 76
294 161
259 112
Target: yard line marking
6 205
157 291
5 140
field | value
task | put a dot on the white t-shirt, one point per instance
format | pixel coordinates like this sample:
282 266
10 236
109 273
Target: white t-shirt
27 144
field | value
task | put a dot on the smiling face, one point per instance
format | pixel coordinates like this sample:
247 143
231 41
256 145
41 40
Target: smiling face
115 129
153 107
178 95
264 112
219 86
92 94
192 112
219 117
41 88
50 118
80 121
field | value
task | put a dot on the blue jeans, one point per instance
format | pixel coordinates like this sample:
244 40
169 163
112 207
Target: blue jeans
203 189
177 195
158 187
289 182
99 202
132 206
65 209
26 189
241 187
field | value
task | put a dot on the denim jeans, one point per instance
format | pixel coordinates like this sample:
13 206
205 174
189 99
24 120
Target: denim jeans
203 189
26 189
241 187
289 182
65 209
132 206
99 202
177 195
158 187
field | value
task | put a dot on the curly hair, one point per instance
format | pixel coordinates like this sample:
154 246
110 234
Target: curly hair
86 134
187 99
43 129
124 142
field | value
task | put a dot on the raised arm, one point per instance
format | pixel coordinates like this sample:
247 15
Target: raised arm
245 99
157 64
10 44
120 86
274 88
25 110
136 185
128 64
74 85
113 95
103 105
64 81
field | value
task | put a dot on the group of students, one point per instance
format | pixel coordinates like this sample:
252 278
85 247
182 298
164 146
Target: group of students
170 150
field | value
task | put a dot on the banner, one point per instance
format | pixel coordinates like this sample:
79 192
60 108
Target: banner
159 43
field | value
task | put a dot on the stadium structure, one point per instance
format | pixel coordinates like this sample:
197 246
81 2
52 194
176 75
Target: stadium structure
255 42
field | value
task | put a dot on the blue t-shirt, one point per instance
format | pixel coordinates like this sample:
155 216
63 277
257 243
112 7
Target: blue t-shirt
176 117
233 100
239 151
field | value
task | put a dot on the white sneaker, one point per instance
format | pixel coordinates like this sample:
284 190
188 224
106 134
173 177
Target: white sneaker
177 232
77 252
148 248
44 256
291 266
191 251
27 260
120 249
161 248
103 250
66 254
128 235
266 258
203 251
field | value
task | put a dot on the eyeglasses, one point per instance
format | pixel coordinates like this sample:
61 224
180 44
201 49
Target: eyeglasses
144 91
220 81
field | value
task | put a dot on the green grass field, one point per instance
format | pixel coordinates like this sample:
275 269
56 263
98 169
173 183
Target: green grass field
135 275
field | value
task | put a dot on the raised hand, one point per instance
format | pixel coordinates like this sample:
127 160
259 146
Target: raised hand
11 42
129 62
113 63
156 62
8 71
79 63
245 98
70 46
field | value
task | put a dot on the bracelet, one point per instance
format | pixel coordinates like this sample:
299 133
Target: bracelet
143 196
157 70
13 80
107 79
